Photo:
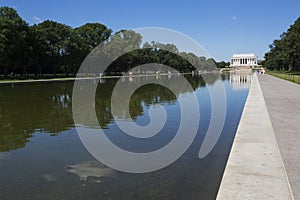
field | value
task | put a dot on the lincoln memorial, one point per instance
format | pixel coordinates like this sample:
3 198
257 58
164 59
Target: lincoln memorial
243 60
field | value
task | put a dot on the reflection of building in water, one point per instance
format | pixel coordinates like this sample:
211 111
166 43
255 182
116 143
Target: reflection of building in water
241 80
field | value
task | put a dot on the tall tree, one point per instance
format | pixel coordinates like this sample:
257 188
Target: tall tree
93 34
13 40
285 52
51 47
39 48
55 37
123 41
76 52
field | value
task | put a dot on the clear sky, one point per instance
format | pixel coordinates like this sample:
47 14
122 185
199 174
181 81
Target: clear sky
221 27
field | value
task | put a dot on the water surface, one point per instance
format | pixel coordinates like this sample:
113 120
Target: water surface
42 157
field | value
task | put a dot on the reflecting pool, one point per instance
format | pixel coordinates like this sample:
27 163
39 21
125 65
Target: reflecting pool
42 157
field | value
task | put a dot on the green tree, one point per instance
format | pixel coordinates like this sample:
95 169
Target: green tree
123 41
76 52
222 64
52 47
285 52
55 36
38 54
13 40
93 34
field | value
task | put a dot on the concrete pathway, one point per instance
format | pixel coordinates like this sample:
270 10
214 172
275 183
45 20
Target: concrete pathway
283 102
255 169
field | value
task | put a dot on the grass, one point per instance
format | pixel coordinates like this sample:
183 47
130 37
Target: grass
286 75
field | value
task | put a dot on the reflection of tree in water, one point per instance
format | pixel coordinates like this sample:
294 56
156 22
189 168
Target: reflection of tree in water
103 101
211 78
9 137
26 109
196 81
147 94
225 76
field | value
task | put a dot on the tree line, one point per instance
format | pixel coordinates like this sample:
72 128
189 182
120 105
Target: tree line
284 53
55 48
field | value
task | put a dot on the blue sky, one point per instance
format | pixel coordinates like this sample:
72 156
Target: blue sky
221 27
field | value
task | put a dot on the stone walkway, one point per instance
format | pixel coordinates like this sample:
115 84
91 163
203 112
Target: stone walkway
283 103
255 169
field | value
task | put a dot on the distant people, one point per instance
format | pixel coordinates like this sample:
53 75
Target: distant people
261 71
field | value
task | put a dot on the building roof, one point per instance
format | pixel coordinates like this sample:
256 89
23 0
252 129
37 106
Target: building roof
244 55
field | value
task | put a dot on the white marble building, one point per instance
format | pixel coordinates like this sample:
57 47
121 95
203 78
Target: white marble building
243 60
